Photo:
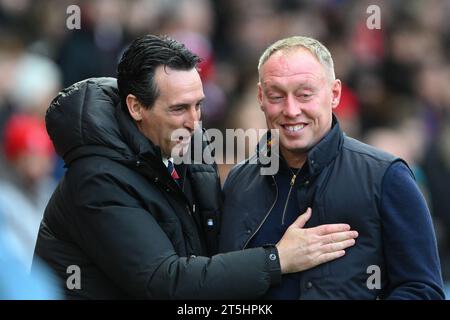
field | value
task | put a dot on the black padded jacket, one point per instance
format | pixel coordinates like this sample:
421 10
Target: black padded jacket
120 218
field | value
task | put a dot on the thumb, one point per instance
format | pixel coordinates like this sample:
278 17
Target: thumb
302 219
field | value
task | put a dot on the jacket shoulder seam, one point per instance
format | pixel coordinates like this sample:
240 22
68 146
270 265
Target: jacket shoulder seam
370 155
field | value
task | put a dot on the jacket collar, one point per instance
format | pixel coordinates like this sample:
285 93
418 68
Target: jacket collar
136 141
326 150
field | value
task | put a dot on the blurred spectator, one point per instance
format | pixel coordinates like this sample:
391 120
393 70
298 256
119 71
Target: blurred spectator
26 183
37 80
15 281
437 169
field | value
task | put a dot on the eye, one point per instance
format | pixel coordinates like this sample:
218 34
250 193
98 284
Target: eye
275 99
177 108
199 105
305 96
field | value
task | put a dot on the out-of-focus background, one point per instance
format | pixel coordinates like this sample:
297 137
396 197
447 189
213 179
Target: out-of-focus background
396 93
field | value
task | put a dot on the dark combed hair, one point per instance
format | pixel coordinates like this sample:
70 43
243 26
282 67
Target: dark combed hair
136 70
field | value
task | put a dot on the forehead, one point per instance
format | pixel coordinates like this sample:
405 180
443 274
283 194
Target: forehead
178 86
294 62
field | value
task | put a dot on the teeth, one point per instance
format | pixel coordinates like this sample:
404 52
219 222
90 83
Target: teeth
295 128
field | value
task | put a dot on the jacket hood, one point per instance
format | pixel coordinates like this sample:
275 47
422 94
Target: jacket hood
87 119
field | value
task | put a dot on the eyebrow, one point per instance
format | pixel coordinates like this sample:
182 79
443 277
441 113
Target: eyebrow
185 105
276 87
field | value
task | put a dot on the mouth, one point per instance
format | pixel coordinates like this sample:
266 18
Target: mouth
294 127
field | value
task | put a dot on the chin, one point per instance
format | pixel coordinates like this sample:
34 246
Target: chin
292 144
182 152
295 147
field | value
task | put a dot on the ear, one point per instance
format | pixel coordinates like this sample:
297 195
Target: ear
260 96
336 93
134 107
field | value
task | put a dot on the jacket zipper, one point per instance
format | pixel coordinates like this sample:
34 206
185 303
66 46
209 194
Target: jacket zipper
288 197
267 214
285 206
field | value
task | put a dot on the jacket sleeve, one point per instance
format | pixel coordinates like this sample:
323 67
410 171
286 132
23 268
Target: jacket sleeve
409 242
125 241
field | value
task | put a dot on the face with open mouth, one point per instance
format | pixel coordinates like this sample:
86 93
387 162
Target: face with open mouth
297 97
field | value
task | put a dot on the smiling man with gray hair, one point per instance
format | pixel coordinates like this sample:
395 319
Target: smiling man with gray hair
341 179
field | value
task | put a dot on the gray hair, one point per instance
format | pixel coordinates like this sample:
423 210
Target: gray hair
312 45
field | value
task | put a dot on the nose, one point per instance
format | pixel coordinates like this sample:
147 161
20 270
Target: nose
192 118
292 107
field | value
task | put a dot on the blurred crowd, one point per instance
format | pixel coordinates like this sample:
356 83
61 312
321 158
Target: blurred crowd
396 80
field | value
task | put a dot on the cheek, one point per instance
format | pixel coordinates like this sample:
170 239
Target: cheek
178 122
272 111
172 125
314 109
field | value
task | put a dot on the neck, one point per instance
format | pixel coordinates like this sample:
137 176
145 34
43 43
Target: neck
293 159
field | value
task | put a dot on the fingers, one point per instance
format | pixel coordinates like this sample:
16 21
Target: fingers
339 236
302 219
338 246
334 250
330 228
326 257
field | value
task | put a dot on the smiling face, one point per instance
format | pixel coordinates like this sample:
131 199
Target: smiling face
177 108
297 97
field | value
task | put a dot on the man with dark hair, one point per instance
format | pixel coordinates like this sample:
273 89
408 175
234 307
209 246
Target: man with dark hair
135 225
341 179
136 70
